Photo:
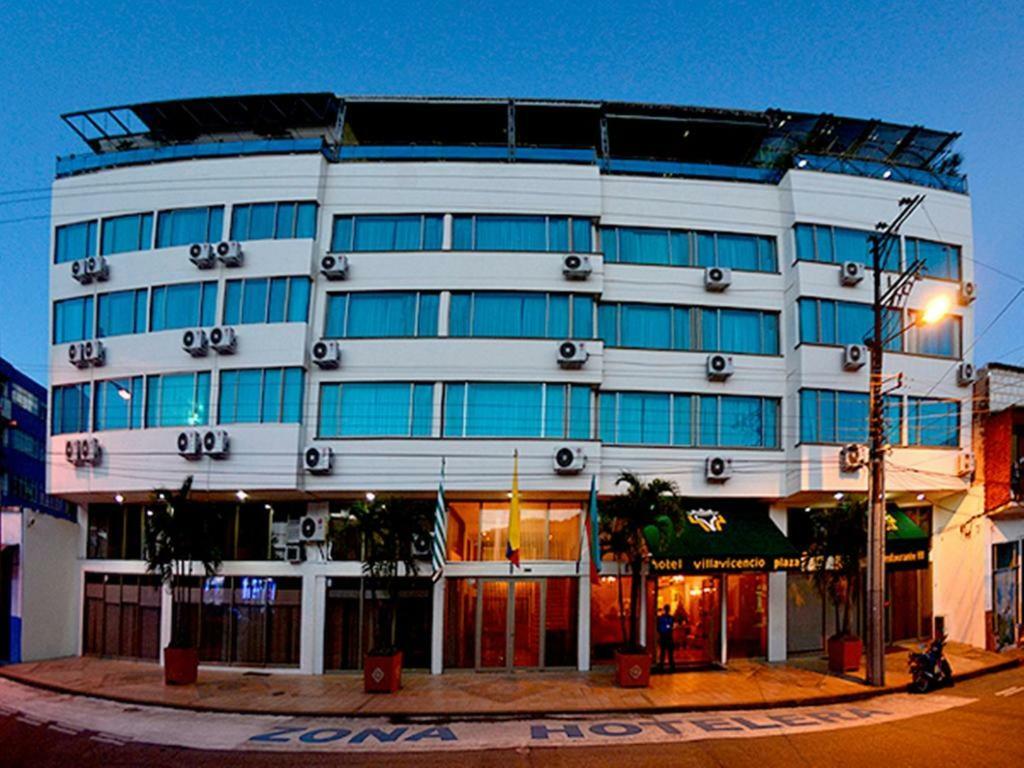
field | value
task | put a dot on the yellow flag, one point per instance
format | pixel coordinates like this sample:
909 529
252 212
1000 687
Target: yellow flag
512 547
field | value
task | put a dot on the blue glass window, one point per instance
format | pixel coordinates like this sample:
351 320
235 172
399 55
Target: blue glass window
70 409
184 305
507 409
521 233
273 221
184 226
499 314
127 233
72 319
118 404
825 321
941 260
685 248
829 416
74 241
266 300
387 233
933 422
834 245
178 400
120 313
941 339
381 314
392 409
662 418
261 395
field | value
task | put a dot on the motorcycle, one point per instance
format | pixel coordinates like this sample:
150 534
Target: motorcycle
930 669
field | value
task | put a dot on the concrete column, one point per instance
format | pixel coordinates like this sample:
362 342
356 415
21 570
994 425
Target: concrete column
723 641
583 623
777 593
437 628
166 611
316 629
310 638
446 233
643 610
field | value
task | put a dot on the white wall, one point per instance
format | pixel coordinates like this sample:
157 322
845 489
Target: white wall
50 587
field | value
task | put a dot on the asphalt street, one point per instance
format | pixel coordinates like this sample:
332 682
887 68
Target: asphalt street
978 722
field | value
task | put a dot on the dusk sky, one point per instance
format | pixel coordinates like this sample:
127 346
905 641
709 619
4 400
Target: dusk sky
947 65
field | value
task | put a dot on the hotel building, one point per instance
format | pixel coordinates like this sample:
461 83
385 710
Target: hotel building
677 292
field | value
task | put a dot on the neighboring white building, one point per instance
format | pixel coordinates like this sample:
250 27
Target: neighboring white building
456 218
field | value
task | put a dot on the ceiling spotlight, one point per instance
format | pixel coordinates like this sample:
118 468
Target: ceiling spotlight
807 509
268 507
242 495
802 162
838 496
370 495
119 498
162 496
920 497
887 174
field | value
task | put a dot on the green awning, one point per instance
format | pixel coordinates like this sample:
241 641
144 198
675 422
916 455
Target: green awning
710 541
906 544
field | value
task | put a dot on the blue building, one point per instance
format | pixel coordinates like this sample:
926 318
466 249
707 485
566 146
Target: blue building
22 493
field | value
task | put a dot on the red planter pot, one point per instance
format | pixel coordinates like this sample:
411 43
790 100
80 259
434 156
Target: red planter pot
382 674
844 654
181 666
632 670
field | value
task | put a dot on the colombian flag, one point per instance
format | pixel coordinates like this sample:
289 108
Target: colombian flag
512 547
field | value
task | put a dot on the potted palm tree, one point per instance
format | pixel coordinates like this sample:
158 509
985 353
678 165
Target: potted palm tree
181 537
838 543
624 518
389 529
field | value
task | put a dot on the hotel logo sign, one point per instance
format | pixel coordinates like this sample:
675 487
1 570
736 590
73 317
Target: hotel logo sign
708 520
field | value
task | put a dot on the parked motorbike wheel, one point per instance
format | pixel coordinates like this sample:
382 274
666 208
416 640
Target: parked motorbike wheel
920 684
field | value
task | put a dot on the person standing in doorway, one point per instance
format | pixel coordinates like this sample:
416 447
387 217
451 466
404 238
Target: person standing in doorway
666 643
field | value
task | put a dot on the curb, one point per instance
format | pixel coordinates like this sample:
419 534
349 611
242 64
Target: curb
430 717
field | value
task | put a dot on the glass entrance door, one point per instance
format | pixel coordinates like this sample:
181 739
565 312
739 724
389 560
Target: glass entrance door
493 625
693 604
509 624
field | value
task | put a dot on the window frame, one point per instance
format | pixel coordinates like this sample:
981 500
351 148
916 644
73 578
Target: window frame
693 238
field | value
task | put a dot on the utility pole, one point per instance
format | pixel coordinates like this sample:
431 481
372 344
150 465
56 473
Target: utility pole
881 245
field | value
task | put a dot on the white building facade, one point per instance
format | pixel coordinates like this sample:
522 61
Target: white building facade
454 220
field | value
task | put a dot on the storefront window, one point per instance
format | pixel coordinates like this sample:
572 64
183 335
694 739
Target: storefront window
115 532
609 611
121 616
548 531
747 615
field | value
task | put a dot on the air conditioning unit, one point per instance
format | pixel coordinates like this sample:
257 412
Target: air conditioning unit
854 356
421 546
293 533
965 463
851 273
965 374
73 452
576 266
318 460
195 342
76 355
91 451
216 443
719 367
190 444
334 266
968 292
326 354
852 457
229 253
80 271
717 469
223 339
313 528
98 268
569 460
202 255
717 278
94 353
572 354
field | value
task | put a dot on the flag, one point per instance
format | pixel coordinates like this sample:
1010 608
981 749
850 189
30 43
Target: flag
594 534
439 542
512 547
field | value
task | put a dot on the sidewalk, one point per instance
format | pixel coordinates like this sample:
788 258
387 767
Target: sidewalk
744 685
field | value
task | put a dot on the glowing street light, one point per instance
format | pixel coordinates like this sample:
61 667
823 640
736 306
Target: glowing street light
936 309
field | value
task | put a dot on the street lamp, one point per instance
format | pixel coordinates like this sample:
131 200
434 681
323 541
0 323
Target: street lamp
896 293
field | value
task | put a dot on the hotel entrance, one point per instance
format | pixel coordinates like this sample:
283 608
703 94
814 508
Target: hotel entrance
694 603
501 624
